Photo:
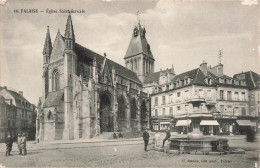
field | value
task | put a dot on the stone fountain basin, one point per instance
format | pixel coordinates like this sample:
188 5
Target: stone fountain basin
206 144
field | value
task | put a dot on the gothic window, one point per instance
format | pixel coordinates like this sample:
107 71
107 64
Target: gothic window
55 80
46 84
49 115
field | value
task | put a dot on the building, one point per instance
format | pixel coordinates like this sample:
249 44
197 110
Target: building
16 115
86 94
204 99
253 82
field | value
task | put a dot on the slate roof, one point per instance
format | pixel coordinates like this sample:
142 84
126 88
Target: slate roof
17 95
139 44
54 98
88 55
153 77
251 79
192 74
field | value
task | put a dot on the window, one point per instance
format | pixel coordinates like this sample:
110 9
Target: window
243 98
163 112
178 108
186 107
221 108
55 80
171 111
236 110
229 95
236 96
179 94
200 93
156 101
243 111
163 100
156 112
209 96
221 94
187 94
9 124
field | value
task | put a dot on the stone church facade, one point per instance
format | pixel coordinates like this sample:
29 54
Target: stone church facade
85 94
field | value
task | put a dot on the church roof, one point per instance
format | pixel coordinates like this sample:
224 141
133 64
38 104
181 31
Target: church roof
138 44
54 98
85 54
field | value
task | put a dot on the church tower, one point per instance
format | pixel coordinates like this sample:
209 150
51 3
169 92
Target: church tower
70 67
139 57
46 60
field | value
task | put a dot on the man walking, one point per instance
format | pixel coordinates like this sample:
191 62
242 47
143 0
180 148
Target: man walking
9 144
168 135
146 139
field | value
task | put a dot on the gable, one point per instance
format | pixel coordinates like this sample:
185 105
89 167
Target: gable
58 48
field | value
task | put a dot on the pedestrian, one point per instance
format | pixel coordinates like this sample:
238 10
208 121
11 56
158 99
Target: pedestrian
19 138
114 136
157 138
9 144
23 144
168 135
120 135
146 139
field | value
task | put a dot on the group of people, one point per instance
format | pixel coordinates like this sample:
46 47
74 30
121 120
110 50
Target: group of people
146 137
119 135
21 142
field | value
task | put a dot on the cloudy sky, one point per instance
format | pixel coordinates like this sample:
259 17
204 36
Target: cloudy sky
180 33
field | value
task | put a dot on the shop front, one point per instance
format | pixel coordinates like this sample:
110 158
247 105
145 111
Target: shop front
244 126
227 124
183 126
209 127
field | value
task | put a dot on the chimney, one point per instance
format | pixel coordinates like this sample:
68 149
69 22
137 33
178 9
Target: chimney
203 68
21 93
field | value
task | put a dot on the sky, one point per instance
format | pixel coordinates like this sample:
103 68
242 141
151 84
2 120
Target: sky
181 34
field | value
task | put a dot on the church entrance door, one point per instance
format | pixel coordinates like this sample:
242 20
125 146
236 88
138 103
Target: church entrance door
106 116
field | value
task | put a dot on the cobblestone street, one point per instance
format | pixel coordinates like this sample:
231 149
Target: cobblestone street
124 154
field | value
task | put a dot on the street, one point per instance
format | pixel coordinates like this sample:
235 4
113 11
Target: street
124 154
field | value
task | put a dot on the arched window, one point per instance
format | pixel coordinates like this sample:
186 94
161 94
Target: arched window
55 80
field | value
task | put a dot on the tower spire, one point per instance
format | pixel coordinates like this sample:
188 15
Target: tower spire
69 31
69 34
47 47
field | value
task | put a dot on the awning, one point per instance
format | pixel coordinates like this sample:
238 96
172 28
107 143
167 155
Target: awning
209 122
183 123
244 122
253 124
164 122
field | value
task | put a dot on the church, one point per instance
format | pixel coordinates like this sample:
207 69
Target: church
85 94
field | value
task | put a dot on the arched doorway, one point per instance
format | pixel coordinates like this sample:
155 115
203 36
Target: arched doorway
106 116
144 120
121 113
134 123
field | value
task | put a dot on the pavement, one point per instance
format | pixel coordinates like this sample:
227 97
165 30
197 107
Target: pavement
65 144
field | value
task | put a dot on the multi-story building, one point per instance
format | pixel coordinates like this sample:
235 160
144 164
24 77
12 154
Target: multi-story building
253 82
17 114
203 98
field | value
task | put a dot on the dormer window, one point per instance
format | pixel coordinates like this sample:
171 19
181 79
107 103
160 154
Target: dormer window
135 32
